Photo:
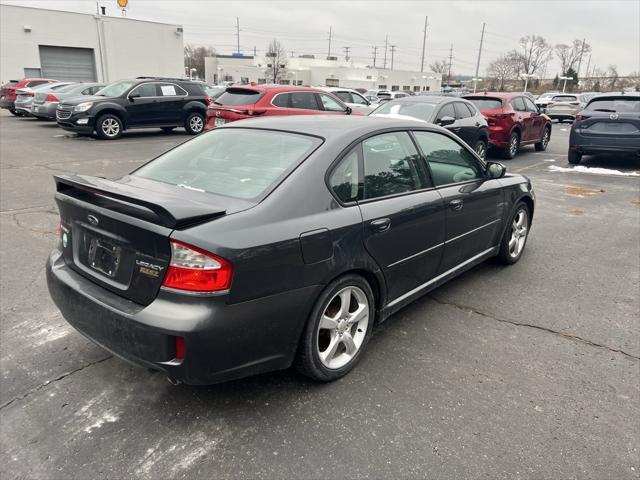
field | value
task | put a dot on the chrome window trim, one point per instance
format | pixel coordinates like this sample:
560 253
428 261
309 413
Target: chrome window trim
186 94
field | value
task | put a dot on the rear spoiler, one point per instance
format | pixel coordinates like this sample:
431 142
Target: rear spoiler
171 209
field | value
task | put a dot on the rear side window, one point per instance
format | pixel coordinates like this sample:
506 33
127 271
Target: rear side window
344 96
170 90
236 162
391 165
462 111
303 100
281 100
631 105
239 96
344 179
486 103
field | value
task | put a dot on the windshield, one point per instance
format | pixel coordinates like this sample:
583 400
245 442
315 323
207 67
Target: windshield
621 105
239 96
419 110
115 89
236 162
486 103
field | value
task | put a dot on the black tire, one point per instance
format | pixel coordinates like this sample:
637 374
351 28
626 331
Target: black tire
13 111
168 129
481 148
511 151
308 361
109 127
194 123
541 146
506 255
574 157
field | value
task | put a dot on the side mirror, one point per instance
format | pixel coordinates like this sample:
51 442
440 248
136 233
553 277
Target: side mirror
133 96
496 170
348 111
444 121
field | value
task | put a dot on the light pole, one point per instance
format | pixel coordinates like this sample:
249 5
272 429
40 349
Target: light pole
564 85
527 76
219 75
191 70
475 83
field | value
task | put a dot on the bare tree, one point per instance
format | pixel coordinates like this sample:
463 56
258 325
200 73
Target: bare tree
535 53
501 69
276 62
612 73
569 55
439 66
194 56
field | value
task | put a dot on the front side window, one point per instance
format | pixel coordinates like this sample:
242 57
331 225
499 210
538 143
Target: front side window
358 99
329 104
448 161
461 111
531 107
446 111
236 162
144 90
391 165
518 104
344 179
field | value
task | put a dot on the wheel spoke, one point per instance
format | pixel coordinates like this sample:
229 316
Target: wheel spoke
520 220
328 354
349 344
328 323
358 315
512 243
345 301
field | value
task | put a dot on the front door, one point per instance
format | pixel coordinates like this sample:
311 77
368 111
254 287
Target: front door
524 117
403 215
142 106
537 120
473 202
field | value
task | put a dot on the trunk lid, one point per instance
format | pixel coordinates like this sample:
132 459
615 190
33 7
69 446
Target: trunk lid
116 233
236 103
607 124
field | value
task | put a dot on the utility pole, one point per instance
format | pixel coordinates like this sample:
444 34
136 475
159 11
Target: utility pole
255 52
580 61
375 53
450 61
329 54
238 33
346 53
588 63
424 43
393 49
386 42
475 79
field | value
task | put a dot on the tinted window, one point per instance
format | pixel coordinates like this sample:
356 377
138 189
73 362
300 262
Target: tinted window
461 111
303 100
145 90
330 104
281 100
390 165
237 162
115 89
518 104
419 110
36 82
449 161
170 90
530 106
486 103
446 111
344 179
239 96
564 98
615 105
344 96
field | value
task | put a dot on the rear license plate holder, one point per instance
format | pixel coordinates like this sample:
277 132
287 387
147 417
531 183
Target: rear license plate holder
219 122
104 257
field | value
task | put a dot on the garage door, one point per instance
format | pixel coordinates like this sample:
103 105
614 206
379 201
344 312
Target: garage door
67 63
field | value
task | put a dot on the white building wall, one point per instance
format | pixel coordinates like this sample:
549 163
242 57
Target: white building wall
122 47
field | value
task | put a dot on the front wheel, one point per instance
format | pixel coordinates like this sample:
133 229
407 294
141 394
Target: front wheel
109 127
481 148
194 124
541 146
515 236
574 157
338 329
512 147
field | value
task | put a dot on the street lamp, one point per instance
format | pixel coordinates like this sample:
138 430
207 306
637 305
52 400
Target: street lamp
527 76
191 70
564 85
475 83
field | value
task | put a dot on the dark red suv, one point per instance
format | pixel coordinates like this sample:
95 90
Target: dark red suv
8 91
514 120
237 103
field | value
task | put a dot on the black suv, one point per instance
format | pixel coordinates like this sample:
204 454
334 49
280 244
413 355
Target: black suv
144 102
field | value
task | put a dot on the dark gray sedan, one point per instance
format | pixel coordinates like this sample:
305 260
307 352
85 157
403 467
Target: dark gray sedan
277 241
45 102
610 123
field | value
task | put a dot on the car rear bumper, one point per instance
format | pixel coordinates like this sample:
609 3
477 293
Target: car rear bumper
44 110
595 149
222 341
498 136
8 104
593 144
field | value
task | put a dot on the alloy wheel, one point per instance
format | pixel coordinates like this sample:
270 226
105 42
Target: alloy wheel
196 124
519 230
481 150
513 145
110 127
343 327
545 138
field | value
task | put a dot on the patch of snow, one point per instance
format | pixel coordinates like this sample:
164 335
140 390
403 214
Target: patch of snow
550 160
594 170
106 417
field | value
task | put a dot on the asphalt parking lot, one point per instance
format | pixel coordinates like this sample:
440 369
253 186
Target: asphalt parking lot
529 371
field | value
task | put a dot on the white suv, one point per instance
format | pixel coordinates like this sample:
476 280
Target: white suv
352 99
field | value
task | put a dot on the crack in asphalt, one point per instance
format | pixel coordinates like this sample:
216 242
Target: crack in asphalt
570 336
49 382
16 221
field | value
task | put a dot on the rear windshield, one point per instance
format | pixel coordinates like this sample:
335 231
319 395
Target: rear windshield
236 162
419 110
239 96
631 105
483 103
565 98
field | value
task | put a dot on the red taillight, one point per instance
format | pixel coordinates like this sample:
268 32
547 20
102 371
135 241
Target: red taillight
498 115
581 117
207 100
195 270
51 98
179 348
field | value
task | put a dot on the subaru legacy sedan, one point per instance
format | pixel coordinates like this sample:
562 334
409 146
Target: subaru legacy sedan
277 241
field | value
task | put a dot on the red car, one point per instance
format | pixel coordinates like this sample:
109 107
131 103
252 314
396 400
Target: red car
8 91
237 103
514 120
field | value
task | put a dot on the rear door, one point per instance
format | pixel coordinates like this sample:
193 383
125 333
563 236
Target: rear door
473 202
465 123
170 99
403 215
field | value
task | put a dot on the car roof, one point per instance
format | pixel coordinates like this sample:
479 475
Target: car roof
276 88
633 95
435 99
503 95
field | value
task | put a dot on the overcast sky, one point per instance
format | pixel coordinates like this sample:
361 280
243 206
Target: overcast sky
611 27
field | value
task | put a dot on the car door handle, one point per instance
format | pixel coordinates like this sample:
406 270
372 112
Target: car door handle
456 204
380 225
477 124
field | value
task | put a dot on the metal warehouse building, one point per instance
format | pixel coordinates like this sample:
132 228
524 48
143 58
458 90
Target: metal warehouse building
36 42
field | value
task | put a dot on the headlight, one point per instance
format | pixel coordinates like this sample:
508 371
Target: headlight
83 107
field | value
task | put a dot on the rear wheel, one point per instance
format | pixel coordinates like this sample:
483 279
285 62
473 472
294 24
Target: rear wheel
338 329
541 146
194 124
574 157
109 127
515 236
512 146
481 148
